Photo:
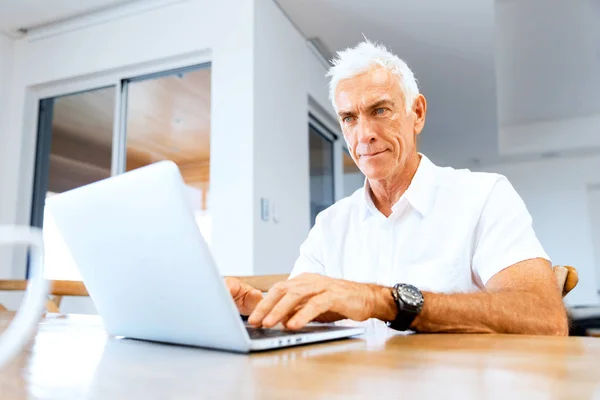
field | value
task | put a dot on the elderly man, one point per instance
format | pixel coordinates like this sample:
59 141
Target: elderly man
420 247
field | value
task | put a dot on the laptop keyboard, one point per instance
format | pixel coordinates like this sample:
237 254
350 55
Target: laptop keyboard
260 333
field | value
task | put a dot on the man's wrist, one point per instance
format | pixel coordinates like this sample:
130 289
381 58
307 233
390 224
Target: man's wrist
384 306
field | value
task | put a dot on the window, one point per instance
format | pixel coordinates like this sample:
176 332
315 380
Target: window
321 170
164 116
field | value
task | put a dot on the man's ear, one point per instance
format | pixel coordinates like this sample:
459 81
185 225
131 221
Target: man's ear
420 110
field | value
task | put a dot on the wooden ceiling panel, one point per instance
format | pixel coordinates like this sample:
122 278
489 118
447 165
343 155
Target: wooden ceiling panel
167 118
87 116
66 173
170 116
80 149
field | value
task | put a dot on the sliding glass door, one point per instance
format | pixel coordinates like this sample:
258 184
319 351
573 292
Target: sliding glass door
84 137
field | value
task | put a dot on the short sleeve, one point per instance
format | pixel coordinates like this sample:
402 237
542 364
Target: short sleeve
504 234
311 253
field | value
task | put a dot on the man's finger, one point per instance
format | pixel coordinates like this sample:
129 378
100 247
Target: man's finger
251 299
234 286
283 308
286 318
266 305
314 307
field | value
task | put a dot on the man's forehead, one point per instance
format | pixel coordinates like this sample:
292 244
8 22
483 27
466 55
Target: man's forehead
369 87
345 101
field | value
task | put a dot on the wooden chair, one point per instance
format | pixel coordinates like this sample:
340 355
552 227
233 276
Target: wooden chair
566 277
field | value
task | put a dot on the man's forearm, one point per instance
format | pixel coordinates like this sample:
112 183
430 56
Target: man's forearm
491 312
485 312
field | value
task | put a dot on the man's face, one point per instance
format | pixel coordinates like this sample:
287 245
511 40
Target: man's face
380 134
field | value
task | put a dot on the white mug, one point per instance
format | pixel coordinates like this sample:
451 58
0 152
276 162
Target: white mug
25 321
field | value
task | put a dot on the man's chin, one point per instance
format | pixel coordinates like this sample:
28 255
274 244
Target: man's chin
376 176
375 173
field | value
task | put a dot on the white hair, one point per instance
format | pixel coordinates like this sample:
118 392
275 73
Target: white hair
356 60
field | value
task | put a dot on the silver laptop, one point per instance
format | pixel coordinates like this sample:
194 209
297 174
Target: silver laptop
149 270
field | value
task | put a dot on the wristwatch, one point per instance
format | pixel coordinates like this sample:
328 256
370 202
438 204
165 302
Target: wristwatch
409 300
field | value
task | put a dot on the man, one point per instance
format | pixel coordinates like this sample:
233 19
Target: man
420 247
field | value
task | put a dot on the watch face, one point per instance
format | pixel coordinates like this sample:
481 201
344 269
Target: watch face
410 295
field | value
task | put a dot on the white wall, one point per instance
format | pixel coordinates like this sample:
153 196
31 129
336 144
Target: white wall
6 66
555 192
318 88
594 204
281 78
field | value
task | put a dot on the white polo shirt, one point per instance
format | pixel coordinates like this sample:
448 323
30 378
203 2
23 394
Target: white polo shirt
451 231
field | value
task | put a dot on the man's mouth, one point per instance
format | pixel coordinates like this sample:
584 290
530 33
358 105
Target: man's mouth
372 154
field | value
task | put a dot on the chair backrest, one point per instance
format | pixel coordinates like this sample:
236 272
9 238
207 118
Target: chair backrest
566 278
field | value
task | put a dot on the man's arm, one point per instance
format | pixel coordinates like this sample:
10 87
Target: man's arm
521 299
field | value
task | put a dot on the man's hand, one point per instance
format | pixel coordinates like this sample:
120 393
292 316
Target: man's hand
245 296
309 297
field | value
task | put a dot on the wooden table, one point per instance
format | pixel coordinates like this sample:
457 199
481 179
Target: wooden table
71 357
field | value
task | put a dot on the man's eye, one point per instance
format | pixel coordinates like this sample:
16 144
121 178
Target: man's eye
380 110
348 119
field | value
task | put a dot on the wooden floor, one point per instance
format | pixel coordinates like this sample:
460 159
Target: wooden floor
71 357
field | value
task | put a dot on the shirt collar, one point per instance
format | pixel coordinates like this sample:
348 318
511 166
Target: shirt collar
419 194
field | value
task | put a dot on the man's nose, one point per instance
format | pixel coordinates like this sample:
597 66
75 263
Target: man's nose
366 134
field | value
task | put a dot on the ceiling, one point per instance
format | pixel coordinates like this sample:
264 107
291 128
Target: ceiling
548 55
548 74
481 64
18 14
